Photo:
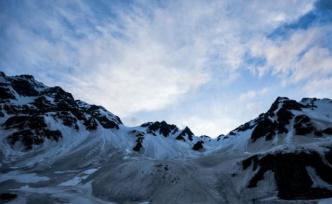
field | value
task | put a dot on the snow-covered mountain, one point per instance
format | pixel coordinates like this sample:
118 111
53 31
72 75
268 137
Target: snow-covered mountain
58 149
288 150
34 115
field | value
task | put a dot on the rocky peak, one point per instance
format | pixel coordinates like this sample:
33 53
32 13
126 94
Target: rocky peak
185 133
27 104
58 94
2 74
26 85
284 103
198 146
277 120
162 128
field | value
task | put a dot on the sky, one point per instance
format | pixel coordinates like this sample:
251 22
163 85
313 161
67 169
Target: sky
210 65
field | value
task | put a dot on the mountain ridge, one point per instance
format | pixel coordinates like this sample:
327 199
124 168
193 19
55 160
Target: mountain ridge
72 149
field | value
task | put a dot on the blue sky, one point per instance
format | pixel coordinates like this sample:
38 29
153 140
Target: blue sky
210 65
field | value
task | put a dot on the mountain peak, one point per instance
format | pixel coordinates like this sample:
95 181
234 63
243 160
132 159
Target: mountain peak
33 117
162 128
45 130
185 133
2 74
283 116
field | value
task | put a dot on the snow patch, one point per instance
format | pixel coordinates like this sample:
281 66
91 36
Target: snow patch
23 177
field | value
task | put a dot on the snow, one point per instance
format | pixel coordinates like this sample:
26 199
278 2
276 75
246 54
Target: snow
317 181
22 177
90 171
79 178
290 134
86 166
75 195
23 100
72 182
325 201
66 171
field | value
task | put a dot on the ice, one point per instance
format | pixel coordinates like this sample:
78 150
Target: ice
72 182
22 177
90 171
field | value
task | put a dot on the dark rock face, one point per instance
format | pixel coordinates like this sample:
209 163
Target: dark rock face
67 119
185 132
303 125
106 123
293 105
24 121
23 88
7 196
309 102
28 119
242 128
26 137
292 170
31 130
5 93
33 137
290 173
198 146
222 137
91 124
277 119
327 131
284 116
59 95
139 140
285 103
162 127
264 128
95 112
138 146
267 128
180 137
42 104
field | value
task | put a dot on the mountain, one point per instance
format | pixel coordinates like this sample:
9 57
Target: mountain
33 114
55 149
290 145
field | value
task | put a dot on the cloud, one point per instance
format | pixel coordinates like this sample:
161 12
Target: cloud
252 94
298 52
299 58
211 126
251 100
317 14
320 88
132 70
134 57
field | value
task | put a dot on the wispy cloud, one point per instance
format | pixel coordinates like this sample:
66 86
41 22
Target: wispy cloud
301 56
148 57
299 52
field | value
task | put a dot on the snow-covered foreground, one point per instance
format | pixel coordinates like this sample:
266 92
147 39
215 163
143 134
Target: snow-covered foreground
117 179
55 149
